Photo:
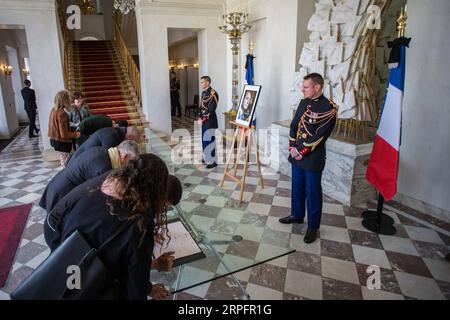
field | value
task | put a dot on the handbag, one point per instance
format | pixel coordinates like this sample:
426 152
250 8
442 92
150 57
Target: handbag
50 281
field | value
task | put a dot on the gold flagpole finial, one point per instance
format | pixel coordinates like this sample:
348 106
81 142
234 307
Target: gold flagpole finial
401 23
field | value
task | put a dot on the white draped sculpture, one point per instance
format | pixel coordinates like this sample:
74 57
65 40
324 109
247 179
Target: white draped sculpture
348 45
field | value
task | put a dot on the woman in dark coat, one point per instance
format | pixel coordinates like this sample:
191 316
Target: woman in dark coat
75 174
88 165
136 192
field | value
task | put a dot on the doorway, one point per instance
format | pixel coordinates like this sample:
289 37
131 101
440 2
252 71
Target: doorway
184 78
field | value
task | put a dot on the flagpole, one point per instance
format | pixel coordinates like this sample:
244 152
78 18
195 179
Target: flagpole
379 222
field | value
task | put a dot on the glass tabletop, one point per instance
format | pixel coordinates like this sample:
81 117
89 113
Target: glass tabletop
231 238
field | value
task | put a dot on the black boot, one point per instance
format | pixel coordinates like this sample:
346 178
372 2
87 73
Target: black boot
211 166
310 236
290 220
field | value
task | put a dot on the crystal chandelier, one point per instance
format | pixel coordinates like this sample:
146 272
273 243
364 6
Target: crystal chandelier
124 6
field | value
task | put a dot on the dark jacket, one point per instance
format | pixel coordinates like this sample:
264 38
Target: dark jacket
92 124
78 115
29 99
312 133
85 209
90 164
208 107
174 89
105 138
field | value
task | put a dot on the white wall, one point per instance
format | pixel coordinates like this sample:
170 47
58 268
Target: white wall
13 39
108 9
91 25
153 21
16 79
180 35
189 77
425 152
274 33
8 118
39 21
187 49
306 9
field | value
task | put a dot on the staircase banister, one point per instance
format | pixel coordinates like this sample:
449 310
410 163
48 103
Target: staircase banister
130 64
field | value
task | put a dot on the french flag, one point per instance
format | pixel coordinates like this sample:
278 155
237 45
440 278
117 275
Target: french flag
382 171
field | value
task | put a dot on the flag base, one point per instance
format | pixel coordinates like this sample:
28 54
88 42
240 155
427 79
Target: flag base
377 221
383 227
373 215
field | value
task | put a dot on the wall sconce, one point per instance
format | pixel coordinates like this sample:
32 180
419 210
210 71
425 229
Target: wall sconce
7 70
196 66
180 67
26 72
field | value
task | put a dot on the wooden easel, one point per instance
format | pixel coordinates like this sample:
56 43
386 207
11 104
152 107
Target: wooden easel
251 139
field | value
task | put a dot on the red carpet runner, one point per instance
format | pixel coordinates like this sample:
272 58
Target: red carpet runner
12 223
99 77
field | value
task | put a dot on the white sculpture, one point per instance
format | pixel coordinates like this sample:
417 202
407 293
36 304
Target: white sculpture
347 48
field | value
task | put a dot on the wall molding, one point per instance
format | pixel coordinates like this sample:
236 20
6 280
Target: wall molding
176 8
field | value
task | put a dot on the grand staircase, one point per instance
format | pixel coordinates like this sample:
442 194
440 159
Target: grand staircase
97 70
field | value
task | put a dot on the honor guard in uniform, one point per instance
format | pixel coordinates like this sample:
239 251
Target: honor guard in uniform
208 121
313 123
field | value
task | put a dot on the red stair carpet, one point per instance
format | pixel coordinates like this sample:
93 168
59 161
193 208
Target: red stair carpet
99 77
12 224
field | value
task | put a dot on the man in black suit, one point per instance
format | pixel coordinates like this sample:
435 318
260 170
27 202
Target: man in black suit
175 95
92 163
107 138
29 99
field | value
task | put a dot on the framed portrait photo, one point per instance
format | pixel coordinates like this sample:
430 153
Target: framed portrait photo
247 105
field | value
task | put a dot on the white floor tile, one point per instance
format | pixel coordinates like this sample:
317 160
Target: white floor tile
339 270
304 284
371 257
257 293
418 287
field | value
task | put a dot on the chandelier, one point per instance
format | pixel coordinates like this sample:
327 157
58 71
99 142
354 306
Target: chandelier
88 6
124 6
235 25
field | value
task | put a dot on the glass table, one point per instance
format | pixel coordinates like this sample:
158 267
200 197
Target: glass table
231 238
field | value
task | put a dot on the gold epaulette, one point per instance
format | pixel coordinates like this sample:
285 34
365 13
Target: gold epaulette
333 104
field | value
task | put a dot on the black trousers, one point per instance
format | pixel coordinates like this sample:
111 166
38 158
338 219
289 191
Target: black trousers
32 119
176 106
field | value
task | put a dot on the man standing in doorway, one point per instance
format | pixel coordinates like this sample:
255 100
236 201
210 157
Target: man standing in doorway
312 125
208 121
29 99
175 95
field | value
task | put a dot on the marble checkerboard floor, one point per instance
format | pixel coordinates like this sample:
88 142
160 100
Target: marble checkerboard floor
412 262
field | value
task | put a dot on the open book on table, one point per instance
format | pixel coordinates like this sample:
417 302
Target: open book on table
185 247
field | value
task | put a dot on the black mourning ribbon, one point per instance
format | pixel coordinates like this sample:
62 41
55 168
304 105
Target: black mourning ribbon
396 46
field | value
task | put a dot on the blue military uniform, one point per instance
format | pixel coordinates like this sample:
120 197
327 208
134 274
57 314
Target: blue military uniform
208 116
313 123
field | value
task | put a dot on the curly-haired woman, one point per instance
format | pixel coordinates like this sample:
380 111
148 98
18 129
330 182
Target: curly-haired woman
97 208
